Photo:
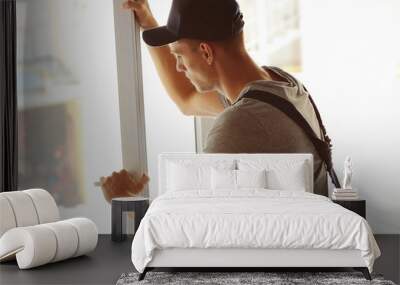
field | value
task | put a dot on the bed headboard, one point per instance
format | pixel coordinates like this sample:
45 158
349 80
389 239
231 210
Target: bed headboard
164 158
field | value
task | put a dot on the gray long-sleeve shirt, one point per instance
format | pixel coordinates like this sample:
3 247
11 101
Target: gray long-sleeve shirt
252 126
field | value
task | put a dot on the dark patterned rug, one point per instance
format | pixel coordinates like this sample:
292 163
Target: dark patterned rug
243 278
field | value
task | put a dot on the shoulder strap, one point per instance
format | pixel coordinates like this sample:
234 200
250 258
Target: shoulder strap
323 147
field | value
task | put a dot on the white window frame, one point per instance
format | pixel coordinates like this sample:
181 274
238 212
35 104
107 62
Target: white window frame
130 91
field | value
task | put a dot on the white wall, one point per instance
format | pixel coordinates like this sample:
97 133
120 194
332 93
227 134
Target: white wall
351 64
167 129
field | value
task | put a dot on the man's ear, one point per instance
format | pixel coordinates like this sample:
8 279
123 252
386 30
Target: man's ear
207 53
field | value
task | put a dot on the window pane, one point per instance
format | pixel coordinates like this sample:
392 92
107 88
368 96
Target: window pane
167 129
272 32
69 132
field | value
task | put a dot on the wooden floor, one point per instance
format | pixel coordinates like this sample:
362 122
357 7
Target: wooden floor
110 260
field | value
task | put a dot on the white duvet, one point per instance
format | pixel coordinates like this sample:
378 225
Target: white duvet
251 218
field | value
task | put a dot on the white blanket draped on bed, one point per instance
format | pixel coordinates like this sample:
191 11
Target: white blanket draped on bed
250 219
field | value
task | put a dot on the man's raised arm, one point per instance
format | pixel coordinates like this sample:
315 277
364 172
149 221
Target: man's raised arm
178 87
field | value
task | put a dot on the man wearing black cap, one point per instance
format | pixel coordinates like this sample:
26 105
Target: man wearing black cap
201 59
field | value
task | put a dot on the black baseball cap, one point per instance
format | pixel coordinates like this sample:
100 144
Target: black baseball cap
210 20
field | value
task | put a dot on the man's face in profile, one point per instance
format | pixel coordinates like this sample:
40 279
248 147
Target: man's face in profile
189 59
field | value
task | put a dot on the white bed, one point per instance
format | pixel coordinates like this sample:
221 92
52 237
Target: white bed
197 223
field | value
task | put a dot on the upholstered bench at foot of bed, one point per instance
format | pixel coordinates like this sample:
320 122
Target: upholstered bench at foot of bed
45 243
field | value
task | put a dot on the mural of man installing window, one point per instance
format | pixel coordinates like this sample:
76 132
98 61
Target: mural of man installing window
202 61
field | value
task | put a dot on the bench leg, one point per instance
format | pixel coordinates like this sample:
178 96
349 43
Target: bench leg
364 271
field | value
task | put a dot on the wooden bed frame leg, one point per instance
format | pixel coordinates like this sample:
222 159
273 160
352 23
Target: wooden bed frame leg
143 274
364 271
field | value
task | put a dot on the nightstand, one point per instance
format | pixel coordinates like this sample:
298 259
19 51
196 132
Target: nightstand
357 206
119 208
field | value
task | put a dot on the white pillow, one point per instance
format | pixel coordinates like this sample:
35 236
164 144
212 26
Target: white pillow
223 179
281 174
293 178
187 174
251 178
229 179
181 177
